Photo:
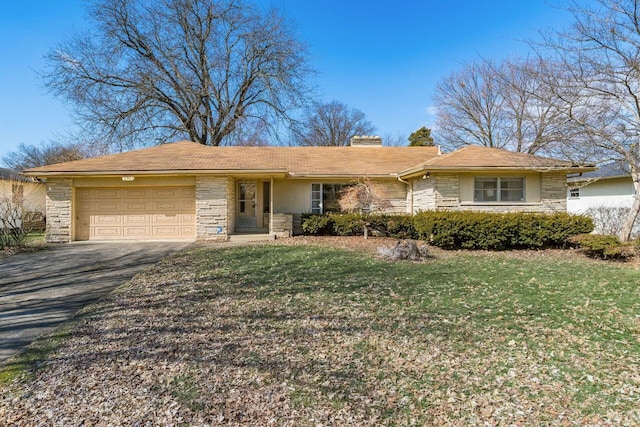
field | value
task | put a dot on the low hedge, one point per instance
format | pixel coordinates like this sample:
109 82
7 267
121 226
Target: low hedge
460 229
605 246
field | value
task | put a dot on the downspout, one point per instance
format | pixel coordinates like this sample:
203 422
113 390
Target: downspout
271 207
410 186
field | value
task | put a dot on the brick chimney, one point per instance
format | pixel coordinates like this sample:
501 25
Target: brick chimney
366 141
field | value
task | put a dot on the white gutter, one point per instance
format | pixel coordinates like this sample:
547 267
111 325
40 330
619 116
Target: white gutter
410 187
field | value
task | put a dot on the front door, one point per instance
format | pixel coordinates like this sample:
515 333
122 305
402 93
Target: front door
246 217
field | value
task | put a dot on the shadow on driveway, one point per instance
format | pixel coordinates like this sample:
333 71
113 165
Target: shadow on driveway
40 290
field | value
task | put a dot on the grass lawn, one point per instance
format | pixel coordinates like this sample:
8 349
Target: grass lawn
301 335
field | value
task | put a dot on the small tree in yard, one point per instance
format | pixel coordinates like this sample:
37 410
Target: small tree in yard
14 221
364 197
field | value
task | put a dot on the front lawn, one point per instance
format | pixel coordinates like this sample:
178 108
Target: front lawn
302 335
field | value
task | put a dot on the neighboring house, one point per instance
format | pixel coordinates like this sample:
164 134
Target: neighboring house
186 190
31 195
600 193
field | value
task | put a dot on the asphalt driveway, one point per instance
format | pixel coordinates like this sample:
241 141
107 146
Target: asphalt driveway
40 290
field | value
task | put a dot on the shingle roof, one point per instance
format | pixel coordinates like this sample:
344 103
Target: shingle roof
477 157
185 156
618 169
189 156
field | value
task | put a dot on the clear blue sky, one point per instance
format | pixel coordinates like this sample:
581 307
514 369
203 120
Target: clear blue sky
382 57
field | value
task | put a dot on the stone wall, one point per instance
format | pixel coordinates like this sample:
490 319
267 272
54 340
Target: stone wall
212 221
553 191
282 225
442 191
424 196
59 213
447 190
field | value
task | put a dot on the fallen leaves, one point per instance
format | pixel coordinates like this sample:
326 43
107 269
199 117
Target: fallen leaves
247 336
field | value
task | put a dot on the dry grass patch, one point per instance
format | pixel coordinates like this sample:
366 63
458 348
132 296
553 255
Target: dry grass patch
301 335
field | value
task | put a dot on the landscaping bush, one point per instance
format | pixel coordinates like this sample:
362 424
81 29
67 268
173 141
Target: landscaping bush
605 246
460 229
319 225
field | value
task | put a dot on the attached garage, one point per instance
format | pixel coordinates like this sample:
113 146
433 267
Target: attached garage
135 213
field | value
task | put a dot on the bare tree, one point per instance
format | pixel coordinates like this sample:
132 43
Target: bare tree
471 108
205 70
503 105
15 212
599 54
332 124
364 197
46 153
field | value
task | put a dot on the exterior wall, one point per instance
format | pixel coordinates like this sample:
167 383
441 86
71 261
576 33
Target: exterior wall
603 193
544 192
212 207
35 194
59 213
553 191
231 205
424 194
294 195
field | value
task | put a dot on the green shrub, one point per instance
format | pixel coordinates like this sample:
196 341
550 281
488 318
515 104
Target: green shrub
320 225
459 229
605 246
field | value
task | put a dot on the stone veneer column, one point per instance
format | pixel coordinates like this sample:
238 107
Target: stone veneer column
58 208
211 208
553 191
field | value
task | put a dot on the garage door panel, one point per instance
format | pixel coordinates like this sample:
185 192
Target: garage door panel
136 219
107 232
188 193
169 217
137 206
107 219
165 231
137 193
138 232
102 193
158 193
165 205
107 206
135 213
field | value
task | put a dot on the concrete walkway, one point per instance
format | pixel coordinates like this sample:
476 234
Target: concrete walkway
40 290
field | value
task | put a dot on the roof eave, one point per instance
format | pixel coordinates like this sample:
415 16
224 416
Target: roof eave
84 174
409 173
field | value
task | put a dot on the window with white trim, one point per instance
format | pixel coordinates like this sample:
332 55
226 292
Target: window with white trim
499 189
574 193
324 197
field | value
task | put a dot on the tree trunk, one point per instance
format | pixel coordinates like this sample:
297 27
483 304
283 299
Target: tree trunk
627 227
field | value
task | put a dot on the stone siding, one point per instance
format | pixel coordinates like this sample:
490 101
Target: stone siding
59 213
553 191
231 205
282 225
447 190
212 209
424 195
442 192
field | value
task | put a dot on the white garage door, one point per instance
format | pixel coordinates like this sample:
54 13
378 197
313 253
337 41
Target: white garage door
145 213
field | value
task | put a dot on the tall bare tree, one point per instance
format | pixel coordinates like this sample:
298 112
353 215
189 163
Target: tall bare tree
503 105
150 71
600 54
471 108
332 124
